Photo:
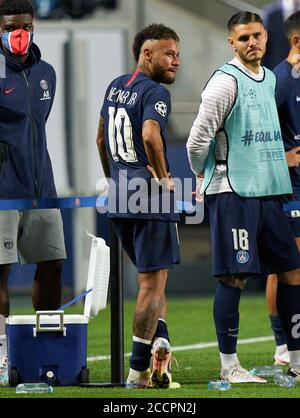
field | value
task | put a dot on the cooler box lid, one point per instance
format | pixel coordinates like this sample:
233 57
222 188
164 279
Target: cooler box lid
98 277
46 319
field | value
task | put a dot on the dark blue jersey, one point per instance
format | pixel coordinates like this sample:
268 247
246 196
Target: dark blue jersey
130 100
288 104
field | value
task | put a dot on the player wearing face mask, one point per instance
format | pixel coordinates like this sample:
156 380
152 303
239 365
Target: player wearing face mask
27 89
18 42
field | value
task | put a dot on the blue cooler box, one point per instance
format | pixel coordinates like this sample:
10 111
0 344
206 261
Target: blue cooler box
51 347
47 347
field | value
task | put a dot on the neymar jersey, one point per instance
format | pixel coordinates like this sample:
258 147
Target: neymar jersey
130 100
288 104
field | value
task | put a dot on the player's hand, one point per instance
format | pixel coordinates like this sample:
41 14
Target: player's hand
197 194
166 183
293 157
152 172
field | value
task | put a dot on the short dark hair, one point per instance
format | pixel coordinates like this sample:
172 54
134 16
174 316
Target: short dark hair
243 18
292 24
154 31
16 7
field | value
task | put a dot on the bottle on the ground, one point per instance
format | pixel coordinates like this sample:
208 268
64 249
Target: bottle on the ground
34 388
219 385
284 380
266 371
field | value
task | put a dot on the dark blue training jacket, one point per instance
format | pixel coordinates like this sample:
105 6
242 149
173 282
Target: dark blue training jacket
26 97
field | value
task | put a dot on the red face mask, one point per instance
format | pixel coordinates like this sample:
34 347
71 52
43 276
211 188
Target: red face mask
18 41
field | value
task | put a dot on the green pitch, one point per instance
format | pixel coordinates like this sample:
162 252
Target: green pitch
190 322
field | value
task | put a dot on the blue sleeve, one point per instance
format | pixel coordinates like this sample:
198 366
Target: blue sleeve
53 91
157 105
103 108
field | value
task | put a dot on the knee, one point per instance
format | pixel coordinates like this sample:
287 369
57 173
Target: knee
233 281
51 268
153 283
4 273
291 278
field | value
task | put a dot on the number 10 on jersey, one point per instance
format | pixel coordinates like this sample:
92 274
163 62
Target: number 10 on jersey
120 136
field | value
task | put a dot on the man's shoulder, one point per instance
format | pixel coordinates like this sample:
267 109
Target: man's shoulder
283 70
221 79
43 65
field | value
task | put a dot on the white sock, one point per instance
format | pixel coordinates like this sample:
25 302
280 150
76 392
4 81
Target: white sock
158 340
280 349
140 340
3 348
228 360
135 375
295 360
2 324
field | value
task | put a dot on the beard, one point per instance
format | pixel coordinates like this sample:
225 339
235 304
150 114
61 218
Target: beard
160 75
259 56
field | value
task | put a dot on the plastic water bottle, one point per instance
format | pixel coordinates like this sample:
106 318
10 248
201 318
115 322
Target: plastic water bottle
34 388
266 371
219 385
284 380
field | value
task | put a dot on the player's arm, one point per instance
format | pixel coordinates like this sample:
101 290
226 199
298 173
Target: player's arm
293 157
155 152
101 148
217 101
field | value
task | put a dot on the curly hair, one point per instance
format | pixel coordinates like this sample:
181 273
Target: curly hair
154 31
16 7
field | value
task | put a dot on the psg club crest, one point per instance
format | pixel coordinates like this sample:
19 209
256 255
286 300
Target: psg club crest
242 257
44 85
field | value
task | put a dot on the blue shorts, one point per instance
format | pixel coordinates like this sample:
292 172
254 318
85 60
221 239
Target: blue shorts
295 226
250 236
151 245
294 222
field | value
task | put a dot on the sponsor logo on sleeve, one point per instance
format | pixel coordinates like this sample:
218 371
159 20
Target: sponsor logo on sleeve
45 87
161 108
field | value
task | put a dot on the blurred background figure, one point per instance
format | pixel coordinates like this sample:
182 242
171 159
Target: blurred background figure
57 9
274 16
47 8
